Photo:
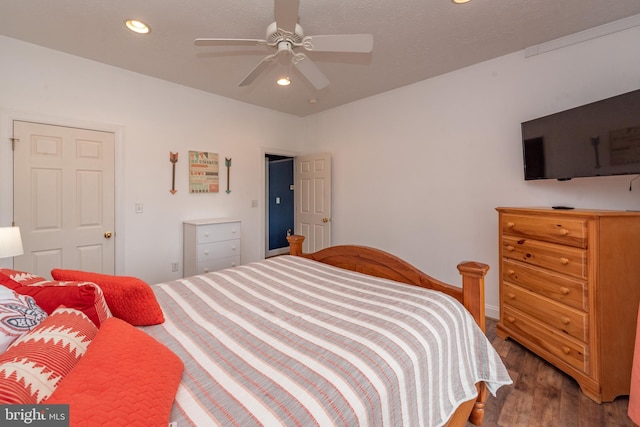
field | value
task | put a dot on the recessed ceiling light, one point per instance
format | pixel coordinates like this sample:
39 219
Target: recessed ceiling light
460 1
137 26
284 81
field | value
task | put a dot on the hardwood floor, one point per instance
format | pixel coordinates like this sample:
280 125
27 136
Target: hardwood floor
542 395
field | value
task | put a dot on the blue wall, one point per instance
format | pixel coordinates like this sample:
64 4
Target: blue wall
280 214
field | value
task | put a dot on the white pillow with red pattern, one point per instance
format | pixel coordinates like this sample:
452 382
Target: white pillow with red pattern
34 365
18 315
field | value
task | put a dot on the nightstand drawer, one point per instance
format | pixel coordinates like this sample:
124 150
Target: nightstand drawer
224 249
565 319
218 232
564 289
563 259
565 231
539 336
218 264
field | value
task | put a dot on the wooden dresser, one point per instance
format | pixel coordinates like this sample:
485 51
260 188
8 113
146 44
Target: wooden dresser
570 289
210 245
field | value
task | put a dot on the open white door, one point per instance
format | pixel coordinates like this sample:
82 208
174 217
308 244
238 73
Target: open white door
313 200
64 198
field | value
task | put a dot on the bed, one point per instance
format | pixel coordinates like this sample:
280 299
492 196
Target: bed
345 336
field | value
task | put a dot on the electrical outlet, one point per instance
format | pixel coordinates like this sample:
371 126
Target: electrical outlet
175 266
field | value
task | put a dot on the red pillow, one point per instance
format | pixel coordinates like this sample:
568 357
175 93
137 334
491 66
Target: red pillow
32 367
7 281
128 298
22 277
83 296
126 378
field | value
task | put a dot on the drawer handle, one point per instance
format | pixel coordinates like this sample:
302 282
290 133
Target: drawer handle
511 295
566 350
511 224
511 272
565 291
510 248
564 261
206 270
511 319
233 231
206 252
233 248
565 320
206 234
564 231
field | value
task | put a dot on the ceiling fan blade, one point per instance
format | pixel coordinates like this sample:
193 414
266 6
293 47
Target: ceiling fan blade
262 65
356 43
229 42
286 13
310 71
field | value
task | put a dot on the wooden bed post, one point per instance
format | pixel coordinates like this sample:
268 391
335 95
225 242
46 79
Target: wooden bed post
473 274
295 244
473 289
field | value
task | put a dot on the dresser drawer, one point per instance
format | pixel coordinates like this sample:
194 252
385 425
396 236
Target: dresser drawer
217 232
224 249
563 259
565 231
565 319
564 289
218 264
568 350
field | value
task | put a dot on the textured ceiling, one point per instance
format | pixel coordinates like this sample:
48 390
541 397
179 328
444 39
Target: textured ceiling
413 39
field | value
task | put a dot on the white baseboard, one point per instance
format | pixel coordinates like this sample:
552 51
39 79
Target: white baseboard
492 311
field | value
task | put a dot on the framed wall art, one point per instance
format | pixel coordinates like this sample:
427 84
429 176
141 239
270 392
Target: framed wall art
203 172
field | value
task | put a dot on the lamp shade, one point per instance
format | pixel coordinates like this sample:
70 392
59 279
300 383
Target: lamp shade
10 242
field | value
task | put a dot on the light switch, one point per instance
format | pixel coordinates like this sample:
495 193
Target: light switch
139 207
277 200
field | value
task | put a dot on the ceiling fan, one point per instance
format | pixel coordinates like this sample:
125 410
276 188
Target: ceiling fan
285 35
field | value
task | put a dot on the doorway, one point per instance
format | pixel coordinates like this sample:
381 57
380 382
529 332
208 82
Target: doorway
280 203
64 198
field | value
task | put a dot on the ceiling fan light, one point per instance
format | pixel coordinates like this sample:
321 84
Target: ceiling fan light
137 26
284 81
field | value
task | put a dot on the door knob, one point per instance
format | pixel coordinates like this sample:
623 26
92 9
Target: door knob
107 235
325 219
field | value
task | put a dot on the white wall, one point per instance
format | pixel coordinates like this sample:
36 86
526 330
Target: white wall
418 171
151 118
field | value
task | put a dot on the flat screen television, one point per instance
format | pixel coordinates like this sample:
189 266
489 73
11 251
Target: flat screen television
597 139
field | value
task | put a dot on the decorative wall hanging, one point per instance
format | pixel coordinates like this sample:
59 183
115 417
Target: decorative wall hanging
203 172
227 163
173 158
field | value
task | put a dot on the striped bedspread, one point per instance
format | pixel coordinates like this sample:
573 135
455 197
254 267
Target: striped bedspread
290 341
